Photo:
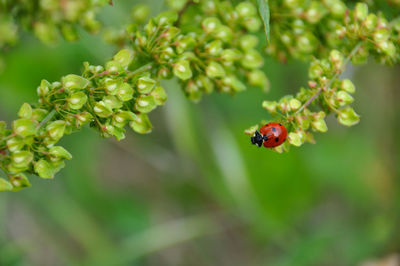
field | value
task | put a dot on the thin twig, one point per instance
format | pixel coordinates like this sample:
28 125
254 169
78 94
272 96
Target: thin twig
182 11
47 118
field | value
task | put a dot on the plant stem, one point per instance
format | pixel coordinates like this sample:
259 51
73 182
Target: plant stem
47 118
335 77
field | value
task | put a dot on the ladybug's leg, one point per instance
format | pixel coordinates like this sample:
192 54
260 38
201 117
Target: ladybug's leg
257 139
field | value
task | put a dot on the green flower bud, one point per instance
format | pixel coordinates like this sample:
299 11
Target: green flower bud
145 104
21 159
77 100
361 11
46 169
125 92
39 114
69 32
250 131
292 3
336 7
5 185
223 33
56 129
141 124
58 153
160 96
248 42
102 110
124 58
228 56
44 88
298 26
337 59
315 71
112 102
344 98
246 9
15 144
140 12
185 43
210 24
182 70
270 106
315 12
259 79
319 125
388 48
118 133
205 83
164 73
171 33
371 22
74 82
252 24
45 32
25 111
381 35
167 17
252 59
297 138
19 182
83 118
193 91
303 122
307 42
114 67
215 70
233 82
347 85
112 85
24 127
348 117
167 54
122 118
294 104
214 48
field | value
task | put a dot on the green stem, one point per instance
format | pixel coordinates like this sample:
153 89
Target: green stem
335 77
47 118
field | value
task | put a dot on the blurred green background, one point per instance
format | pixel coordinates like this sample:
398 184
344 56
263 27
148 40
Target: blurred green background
195 192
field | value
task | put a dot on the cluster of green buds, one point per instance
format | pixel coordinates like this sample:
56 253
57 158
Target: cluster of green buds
317 27
209 47
47 19
106 98
364 34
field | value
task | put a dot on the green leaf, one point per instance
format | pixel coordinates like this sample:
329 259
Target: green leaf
263 8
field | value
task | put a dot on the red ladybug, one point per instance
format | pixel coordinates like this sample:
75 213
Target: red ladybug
272 135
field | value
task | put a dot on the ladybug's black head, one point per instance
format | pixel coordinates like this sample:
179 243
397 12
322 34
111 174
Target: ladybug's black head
257 139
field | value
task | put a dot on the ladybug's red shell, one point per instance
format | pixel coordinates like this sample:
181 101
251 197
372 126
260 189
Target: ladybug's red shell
276 134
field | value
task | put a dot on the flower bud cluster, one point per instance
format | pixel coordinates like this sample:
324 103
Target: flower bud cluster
106 98
365 34
212 46
47 19
317 27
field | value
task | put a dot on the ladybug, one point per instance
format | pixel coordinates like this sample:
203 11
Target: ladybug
271 134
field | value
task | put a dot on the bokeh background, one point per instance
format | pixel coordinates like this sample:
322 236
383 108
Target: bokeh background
195 192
